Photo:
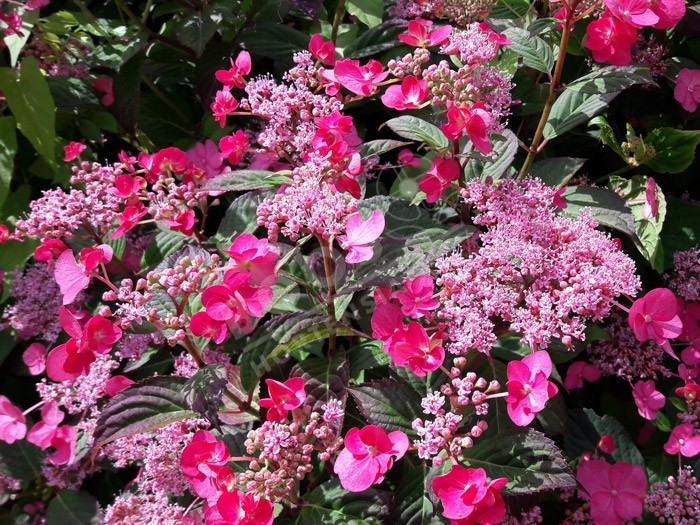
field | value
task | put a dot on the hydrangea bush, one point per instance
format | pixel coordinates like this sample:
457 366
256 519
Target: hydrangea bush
350 262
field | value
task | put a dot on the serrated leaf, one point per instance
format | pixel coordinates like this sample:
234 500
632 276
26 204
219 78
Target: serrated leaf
510 9
8 150
21 460
505 146
331 504
611 78
529 459
369 12
536 53
675 149
127 92
203 391
573 108
413 128
607 134
607 207
413 507
164 244
681 228
325 378
378 147
274 40
71 507
143 407
585 428
390 403
376 40
241 216
556 171
245 180
196 30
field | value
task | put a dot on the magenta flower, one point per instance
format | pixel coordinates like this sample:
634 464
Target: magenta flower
469 498
12 422
637 13
361 80
670 12
413 348
43 432
419 36
359 235
655 316
35 358
386 320
416 299
322 50
616 491
73 150
256 256
70 276
368 454
237 508
407 158
410 94
578 372
651 203
473 120
649 400
283 397
234 147
687 91
201 461
49 249
234 76
528 387
441 174
64 443
611 40
105 85
223 104
684 441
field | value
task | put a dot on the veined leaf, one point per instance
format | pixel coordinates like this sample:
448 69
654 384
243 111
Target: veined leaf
245 180
413 128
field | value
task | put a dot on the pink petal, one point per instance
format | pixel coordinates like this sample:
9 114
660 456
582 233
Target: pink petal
70 277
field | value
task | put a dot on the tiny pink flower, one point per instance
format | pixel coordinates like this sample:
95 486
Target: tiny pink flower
361 80
410 94
240 67
359 235
223 105
322 50
649 400
412 347
368 454
528 387
283 397
684 441
578 372
416 298
441 174
616 491
687 91
655 316
606 444
73 150
12 422
35 358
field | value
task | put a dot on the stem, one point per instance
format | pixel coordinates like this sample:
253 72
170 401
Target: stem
339 14
327 251
146 12
553 87
40 403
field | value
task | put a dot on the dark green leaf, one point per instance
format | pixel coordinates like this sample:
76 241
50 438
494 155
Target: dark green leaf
127 93
510 9
675 149
376 40
378 147
245 180
536 53
681 228
557 171
369 12
241 216
143 407
390 403
21 460
505 146
413 507
325 379
70 507
611 78
196 30
274 40
529 459
165 243
585 428
331 504
606 206
413 128
606 134
573 108
204 390
8 149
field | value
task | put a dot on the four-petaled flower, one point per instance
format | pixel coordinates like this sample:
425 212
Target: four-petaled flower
649 400
469 498
655 316
528 387
473 120
359 235
283 397
684 440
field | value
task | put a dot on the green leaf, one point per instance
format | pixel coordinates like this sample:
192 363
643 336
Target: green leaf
143 407
610 79
573 108
606 206
324 378
379 39
241 216
245 180
127 93
413 128
681 228
71 507
165 243
30 100
21 460
331 504
16 253
16 42
607 134
585 428
8 150
274 40
675 149
413 507
529 459
536 53
367 356
196 30
378 147
369 12
556 171
390 403
505 146
648 229
510 9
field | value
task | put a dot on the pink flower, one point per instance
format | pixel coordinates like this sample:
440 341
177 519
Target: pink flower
416 298
183 222
655 316
359 235
651 203
12 422
407 158
474 120
64 443
361 80
201 461
469 498
670 12
129 218
105 85
70 276
234 147
202 325
616 491
687 90
611 40
116 384
238 508
386 320
283 397
322 50
637 13
256 256
223 104
73 150
528 387
35 358
43 432
412 347
409 95
577 372
441 174
649 400
684 441
419 36
94 256
205 156
49 249
368 454
234 76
